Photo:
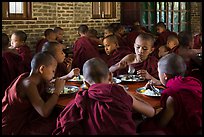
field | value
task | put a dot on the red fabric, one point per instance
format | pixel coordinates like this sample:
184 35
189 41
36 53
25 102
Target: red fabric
131 39
61 70
187 95
103 109
39 45
83 50
162 38
150 64
11 68
26 55
197 41
18 114
123 42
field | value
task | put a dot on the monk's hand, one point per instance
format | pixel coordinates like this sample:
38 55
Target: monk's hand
68 63
59 85
73 72
122 64
144 74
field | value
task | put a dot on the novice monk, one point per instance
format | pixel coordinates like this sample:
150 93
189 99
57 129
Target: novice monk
24 108
112 49
102 109
59 34
11 64
49 35
64 64
83 48
171 45
181 100
144 64
18 39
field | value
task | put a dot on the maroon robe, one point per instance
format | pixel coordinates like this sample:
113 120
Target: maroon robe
83 50
123 42
161 40
19 116
26 55
12 67
197 41
187 95
150 64
61 70
39 45
131 39
102 109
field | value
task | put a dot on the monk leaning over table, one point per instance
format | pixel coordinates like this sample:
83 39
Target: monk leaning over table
104 108
25 111
144 63
64 64
181 100
113 50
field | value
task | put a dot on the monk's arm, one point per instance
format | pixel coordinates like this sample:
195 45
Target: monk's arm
128 59
142 106
166 114
43 108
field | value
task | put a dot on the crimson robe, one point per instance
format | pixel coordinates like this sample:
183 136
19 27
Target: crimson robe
187 95
150 64
131 39
12 67
26 55
39 44
102 109
83 50
19 116
197 41
161 40
122 42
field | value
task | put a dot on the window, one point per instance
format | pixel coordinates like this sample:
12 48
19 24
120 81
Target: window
104 10
16 10
176 15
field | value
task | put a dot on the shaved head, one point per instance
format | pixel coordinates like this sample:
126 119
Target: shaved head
172 64
111 38
42 58
95 70
146 37
50 47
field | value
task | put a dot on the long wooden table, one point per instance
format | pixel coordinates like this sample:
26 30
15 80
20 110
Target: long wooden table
154 101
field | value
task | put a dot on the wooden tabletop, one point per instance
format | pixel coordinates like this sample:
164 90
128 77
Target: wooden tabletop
132 86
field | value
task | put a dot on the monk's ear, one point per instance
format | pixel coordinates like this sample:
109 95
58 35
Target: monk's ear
41 69
152 49
165 76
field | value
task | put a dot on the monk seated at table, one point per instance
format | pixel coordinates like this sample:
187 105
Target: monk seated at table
142 61
171 45
83 48
12 65
25 109
104 108
181 100
64 64
49 35
18 43
113 50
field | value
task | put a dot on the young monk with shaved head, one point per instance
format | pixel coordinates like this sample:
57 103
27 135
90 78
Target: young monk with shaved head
144 63
181 100
25 109
64 64
104 108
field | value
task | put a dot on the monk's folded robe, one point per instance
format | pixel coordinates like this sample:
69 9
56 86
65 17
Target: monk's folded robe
83 50
39 45
12 67
187 95
150 64
26 55
19 116
102 109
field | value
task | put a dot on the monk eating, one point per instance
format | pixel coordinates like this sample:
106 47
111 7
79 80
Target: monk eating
25 108
103 109
181 100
